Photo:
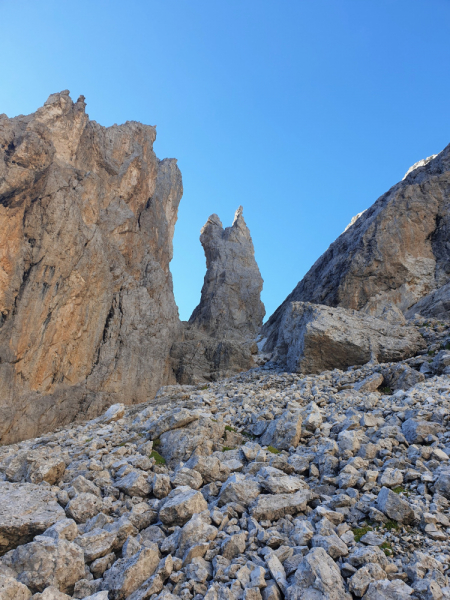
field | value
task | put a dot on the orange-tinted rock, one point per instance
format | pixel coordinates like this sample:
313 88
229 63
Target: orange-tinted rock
87 312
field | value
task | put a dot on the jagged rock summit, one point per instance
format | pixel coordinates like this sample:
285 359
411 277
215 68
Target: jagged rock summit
88 315
230 304
219 338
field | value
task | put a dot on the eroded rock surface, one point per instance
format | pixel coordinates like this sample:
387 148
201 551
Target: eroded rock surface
394 252
312 338
230 304
265 485
88 316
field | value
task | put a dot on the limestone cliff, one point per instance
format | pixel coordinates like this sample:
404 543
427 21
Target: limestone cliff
396 252
230 304
87 217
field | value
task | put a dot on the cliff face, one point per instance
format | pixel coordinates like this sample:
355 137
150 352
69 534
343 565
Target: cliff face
87 217
230 304
396 252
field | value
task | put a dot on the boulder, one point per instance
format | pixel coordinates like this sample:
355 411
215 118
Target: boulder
181 504
401 377
239 489
89 215
84 507
395 252
95 543
284 432
271 507
319 577
134 483
47 562
417 431
11 589
26 510
392 505
51 593
388 590
312 338
127 575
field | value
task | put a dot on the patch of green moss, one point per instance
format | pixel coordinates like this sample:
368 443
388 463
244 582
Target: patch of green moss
88 440
385 390
122 444
447 346
229 428
214 420
205 387
431 352
159 460
248 435
226 449
273 450
156 443
400 490
358 532
390 525
387 548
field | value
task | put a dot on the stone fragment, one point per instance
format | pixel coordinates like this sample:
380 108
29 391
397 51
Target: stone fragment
442 485
284 432
197 530
26 510
240 490
186 476
401 377
50 470
273 507
319 577
388 590
65 529
11 589
135 483
161 486
100 565
174 419
416 431
181 504
95 543
84 507
360 581
394 506
391 478
51 593
127 574
114 413
332 544
46 562
370 384
233 546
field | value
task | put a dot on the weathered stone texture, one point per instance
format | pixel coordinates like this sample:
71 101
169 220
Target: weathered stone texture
395 252
88 316
230 304
312 338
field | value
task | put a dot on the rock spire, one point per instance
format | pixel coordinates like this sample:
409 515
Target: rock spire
230 304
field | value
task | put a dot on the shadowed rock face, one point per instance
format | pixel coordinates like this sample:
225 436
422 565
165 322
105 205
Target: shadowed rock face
87 217
230 304
395 252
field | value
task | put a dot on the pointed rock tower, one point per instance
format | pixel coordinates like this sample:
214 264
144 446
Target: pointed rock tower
230 305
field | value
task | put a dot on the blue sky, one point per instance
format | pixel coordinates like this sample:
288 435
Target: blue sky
304 112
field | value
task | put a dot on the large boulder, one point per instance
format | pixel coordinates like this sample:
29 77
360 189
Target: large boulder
26 510
317 578
127 574
88 311
312 338
45 562
181 504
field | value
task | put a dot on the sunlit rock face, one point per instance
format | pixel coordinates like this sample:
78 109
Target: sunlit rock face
395 253
230 304
87 217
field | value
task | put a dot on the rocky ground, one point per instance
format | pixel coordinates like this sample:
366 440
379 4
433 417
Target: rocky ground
268 484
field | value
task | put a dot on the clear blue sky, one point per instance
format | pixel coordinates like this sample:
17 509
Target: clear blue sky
304 112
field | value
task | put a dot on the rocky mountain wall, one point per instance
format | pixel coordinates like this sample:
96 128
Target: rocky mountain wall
87 217
396 252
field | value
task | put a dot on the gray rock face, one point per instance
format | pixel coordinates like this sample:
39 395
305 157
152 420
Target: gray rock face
88 312
26 510
312 338
230 304
395 252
